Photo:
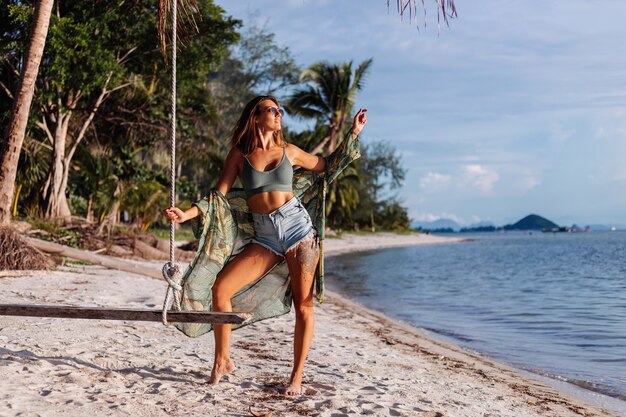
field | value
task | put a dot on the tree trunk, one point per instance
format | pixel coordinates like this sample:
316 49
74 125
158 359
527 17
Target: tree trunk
56 205
90 210
21 107
110 220
335 130
86 256
333 141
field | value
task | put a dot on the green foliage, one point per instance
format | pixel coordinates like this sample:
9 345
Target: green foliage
394 217
123 162
88 42
13 15
110 176
330 91
33 168
343 197
184 232
381 167
68 237
382 174
78 55
328 97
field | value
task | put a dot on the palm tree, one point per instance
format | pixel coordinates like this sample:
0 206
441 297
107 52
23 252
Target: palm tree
342 197
21 107
329 97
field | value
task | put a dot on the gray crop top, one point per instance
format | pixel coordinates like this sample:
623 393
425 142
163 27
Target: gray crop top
279 178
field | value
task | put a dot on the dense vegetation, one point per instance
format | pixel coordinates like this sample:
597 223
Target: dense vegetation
97 141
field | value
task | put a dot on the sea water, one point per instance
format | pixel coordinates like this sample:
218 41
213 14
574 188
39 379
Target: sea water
553 304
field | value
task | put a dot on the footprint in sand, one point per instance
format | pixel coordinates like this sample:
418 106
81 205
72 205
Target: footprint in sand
329 404
322 386
372 389
250 384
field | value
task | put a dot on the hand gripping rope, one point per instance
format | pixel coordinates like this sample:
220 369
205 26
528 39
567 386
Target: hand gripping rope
171 270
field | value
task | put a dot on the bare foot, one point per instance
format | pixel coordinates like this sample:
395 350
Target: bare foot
219 370
294 390
295 387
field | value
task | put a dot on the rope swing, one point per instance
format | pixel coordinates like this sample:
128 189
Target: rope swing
171 270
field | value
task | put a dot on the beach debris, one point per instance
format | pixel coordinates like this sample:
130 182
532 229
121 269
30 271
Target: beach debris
127 243
259 413
389 341
17 254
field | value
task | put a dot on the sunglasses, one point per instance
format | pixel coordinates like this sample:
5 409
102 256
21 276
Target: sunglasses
275 111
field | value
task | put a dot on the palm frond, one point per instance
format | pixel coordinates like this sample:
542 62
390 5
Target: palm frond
360 73
445 9
307 103
189 9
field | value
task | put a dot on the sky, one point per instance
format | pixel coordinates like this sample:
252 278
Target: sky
517 107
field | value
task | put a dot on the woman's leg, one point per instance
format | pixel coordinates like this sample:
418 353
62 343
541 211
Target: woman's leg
302 261
248 266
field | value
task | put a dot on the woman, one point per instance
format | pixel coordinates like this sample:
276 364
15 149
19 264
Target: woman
283 229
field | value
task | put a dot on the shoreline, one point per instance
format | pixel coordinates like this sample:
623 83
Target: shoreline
596 398
350 243
433 344
361 361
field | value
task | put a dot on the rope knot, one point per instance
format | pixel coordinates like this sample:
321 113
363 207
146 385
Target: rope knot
171 274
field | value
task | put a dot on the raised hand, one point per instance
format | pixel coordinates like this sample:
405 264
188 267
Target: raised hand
360 119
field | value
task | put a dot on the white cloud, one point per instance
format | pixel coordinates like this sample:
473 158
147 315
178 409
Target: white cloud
619 174
600 133
475 219
529 182
433 181
427 217
432 217
560 134
480 177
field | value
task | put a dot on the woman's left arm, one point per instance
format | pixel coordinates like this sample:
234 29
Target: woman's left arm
317 163
306 160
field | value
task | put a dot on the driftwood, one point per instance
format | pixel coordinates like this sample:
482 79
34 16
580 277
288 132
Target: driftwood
151 247
90 313
148 252
81 255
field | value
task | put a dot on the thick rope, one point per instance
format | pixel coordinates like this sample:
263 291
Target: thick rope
171 271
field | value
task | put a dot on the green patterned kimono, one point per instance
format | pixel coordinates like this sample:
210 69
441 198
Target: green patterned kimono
225 227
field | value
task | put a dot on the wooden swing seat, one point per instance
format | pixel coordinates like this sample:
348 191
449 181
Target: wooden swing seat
94 313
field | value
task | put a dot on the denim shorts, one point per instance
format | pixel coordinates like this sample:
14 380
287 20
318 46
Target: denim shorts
282 229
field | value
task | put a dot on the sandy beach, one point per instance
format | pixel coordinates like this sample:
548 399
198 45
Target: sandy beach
361 363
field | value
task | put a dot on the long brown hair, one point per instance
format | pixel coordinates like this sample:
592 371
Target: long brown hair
245 135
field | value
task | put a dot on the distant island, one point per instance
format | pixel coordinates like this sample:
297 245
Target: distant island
532 222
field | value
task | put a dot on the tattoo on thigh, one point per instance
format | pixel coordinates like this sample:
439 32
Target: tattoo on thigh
307 254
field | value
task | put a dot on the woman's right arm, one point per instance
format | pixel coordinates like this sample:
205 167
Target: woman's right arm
230 171
229 174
